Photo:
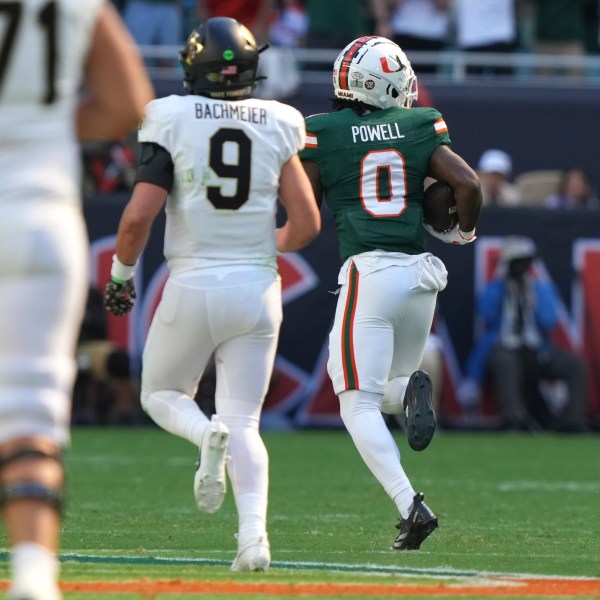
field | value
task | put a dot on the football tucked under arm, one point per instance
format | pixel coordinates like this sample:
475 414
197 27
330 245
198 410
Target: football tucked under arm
439 207
440 215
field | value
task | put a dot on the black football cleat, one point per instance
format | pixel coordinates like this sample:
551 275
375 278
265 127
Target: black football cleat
419 525
420 418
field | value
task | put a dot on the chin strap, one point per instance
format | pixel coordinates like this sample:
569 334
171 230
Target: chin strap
262 77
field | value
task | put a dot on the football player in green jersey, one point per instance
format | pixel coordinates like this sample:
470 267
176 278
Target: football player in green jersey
370 158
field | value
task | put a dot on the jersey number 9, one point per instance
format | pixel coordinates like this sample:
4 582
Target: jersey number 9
220 146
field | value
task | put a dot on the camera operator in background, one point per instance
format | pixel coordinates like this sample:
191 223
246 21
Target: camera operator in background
518 314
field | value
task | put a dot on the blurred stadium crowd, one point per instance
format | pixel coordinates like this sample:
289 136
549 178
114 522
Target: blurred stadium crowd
552 26
509 36
501 40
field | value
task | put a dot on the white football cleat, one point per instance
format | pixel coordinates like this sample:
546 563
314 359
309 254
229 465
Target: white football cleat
255 555
210 481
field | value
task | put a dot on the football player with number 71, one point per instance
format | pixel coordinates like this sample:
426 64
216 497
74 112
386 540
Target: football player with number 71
370 157
69 72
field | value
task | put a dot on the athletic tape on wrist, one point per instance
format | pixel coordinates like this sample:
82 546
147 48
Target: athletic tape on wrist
121 273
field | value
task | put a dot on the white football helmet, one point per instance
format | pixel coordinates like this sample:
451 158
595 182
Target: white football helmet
374 70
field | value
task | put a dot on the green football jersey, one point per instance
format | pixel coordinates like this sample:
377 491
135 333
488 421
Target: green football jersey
372 169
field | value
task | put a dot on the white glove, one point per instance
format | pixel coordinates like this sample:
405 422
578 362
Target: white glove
452 236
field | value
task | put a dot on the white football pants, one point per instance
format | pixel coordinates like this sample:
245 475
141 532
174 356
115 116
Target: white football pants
43 289
382 321
237 316
381 326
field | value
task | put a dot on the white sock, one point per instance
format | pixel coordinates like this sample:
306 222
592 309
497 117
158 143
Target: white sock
178 414
404 501
362 417
252 517
393 397
248 470
34 571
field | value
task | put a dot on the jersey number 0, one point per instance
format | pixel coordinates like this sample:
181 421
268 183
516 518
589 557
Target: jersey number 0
383 183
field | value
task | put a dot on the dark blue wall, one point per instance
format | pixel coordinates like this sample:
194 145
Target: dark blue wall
541 127
305 397
550 126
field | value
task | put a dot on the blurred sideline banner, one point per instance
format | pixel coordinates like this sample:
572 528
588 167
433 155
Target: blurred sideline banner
301 394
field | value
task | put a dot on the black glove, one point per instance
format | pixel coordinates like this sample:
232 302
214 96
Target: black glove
119 297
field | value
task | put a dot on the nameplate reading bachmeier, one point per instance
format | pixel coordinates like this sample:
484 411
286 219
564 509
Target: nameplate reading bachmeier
232 110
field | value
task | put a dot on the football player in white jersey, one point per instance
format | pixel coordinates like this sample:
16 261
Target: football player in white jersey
47 50
217 160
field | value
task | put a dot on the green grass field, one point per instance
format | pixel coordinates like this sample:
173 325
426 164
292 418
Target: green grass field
507 504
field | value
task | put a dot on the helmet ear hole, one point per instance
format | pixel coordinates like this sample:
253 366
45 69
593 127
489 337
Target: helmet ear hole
395 93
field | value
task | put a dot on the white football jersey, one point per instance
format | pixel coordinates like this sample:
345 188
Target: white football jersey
227 156
43 45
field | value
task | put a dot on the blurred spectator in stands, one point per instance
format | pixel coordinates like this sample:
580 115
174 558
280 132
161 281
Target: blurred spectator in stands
189 16
575 190
279 70
591 16
486 26
560 28
103 393
154 22
517 313
108 167
290 24
119 5
414 25
256 15
525 14
495 172
331 23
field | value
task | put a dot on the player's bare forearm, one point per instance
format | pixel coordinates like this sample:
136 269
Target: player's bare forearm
302 226
136 223
468 202
291 238
131 241
118 87
303 216
314 175
447 166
